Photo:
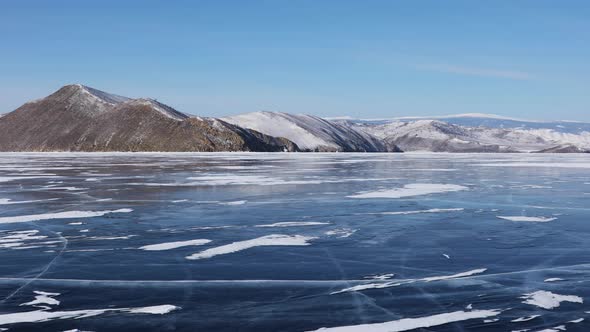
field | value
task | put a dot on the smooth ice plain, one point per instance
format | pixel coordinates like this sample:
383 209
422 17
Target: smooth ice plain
294 242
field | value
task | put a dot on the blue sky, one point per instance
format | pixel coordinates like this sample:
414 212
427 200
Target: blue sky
370 59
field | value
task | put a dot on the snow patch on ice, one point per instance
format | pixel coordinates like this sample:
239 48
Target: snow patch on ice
233 203
528 219
43 298
407 324
8 201
59 215
525 319
394 283
341 233
418 211
294 224
410 190
174 245
268 240
44 315
549 300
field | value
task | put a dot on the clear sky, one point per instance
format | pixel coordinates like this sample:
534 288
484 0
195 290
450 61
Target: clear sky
363 58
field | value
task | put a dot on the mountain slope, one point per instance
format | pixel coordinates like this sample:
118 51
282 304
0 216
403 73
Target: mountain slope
495 121
79 118
439 136
311 133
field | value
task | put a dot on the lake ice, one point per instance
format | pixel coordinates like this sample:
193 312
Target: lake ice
294 242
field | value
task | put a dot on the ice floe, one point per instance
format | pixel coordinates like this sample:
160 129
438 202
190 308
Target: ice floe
294 224
407 324
549 300
527 219
174 245
410 190
268 240
59 215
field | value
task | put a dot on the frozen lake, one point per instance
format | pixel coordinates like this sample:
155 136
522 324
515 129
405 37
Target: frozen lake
294 242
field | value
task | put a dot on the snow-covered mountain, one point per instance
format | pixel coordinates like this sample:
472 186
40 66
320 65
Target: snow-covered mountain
80 118
310 132
469 133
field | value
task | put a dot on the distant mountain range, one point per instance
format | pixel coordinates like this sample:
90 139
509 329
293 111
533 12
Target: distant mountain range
80 118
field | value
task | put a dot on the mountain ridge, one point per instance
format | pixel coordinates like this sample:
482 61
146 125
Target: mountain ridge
80 118
75 118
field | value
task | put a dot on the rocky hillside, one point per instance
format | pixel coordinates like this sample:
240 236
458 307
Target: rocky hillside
80 118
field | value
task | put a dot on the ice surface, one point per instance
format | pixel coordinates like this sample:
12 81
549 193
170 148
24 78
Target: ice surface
362 243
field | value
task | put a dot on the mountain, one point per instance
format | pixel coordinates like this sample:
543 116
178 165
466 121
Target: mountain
312 133
496 121
485 135
80 118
